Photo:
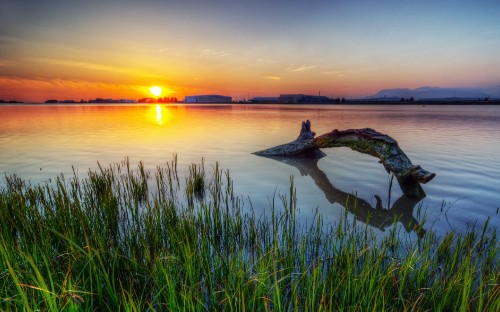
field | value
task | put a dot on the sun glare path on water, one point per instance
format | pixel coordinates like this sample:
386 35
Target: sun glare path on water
160 114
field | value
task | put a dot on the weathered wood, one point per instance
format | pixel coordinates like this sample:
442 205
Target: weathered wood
366 141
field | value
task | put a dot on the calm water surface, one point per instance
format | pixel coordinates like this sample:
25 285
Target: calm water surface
460 144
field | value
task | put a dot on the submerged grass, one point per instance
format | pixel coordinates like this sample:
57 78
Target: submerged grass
106 243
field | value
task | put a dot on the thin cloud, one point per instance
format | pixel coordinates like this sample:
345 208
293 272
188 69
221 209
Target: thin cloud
266 61
85 65
92 66
10 40
272 77
338 73
299 68
57 85
214 53
5 63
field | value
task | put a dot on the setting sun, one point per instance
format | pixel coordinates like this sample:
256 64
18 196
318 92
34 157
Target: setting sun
156 90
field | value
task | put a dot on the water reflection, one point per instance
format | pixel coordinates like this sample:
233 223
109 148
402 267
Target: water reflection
377 216
159 115
162 114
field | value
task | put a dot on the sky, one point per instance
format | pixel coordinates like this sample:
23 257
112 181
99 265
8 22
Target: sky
83 49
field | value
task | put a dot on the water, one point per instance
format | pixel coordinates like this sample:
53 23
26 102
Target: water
460 144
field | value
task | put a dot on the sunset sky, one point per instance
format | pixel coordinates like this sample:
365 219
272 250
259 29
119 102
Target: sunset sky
119 48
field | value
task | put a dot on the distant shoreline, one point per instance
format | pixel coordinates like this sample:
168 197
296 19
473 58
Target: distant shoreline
425 102
347 102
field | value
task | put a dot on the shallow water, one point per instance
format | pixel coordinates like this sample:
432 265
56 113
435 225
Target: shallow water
459 143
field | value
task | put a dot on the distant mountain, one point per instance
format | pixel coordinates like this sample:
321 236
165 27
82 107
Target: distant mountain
433 93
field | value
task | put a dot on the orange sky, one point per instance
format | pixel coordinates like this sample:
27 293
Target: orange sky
118 49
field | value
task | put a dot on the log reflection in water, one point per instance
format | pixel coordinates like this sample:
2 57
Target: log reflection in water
378 216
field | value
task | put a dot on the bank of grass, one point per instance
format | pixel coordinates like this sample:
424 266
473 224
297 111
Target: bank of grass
107 243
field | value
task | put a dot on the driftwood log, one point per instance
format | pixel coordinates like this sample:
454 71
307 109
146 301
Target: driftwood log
366 141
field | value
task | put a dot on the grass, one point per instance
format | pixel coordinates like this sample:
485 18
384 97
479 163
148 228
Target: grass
108 243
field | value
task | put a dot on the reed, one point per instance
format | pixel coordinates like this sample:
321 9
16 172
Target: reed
108 243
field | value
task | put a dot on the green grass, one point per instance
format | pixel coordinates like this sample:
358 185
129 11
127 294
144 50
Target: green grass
108 243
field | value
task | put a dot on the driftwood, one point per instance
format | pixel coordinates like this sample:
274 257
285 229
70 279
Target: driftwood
366 141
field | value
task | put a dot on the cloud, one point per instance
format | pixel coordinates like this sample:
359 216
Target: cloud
272 78
299 68
338 73
4 63
42 88
266 61
92 66
4 40
85 65
214 53
58 83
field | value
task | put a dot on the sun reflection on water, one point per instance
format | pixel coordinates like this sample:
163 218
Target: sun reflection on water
162 114
159 114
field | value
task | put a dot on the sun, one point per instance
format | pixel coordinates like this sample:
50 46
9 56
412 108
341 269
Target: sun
156 90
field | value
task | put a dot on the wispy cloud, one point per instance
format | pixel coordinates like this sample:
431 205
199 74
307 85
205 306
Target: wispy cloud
299 68
60 87
5 63
92 66
338 73
214 53
9 40
266 61
85 65
272 77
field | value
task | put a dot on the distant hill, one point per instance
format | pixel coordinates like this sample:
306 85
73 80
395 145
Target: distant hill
433 93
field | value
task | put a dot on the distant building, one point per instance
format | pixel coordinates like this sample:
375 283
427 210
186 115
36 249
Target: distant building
291 98
302 99
210 98
264 100
101 100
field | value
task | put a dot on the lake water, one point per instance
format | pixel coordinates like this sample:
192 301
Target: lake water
461 144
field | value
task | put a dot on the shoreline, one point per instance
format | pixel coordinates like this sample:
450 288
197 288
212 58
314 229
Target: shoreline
347 102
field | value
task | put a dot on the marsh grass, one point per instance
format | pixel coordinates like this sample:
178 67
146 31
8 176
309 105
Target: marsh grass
106 243
195 183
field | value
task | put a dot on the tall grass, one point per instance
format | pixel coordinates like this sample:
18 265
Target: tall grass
108 243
